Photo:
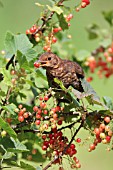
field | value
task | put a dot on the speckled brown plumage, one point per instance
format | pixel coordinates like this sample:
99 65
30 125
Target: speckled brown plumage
67 71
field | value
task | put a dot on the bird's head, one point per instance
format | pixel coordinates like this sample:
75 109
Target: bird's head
49 60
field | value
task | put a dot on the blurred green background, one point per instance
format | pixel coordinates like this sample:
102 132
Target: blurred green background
17 16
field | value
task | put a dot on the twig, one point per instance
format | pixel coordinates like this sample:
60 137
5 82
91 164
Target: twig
73 137
45 20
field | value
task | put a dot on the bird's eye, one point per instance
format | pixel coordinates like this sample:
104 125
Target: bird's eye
49 58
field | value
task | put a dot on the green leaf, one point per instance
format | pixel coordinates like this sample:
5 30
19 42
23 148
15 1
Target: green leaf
106 112
7 128
82 55
41 73
7 155
26 60
10 108
90 94
62 22
74 96
19 147
2 93
108 16
105 42
7 76
93 31
26 166
56 9
14 43
30 54
108 102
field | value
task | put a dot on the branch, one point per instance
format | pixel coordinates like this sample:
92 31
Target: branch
45 20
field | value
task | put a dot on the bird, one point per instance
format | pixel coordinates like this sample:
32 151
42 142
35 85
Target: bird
68 72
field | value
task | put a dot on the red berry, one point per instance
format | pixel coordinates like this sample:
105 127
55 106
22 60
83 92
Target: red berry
46 143
40 98
45 47
38 116
86 1
51 141
59 122
55 30
72 146
28 31
42 105
102 126
37 122
108 138
78 140
33 29
46 98
35 108
58 108
45 112
36 64
44 137
107 119
34 151
55 116
20 106
89 79
97 131
21 118
26 115
39 111
83 4
44 147
21 112
92 147
78 165
54 40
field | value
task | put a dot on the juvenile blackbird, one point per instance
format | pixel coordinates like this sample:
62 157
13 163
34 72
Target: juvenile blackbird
68 72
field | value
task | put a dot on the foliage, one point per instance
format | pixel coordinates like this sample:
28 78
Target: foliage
34 116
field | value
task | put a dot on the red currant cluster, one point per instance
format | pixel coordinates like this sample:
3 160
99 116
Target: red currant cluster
51 38
32 30
103 134
47 38
103 64
42 112
22 113
55 144
83 4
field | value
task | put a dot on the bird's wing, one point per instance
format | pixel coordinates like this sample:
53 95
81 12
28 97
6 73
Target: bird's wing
79 71
75 68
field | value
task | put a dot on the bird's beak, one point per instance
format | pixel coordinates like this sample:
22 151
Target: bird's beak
43 63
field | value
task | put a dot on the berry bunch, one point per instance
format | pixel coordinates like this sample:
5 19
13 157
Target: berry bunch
47 121
48 37
103 62
55 144
103 134
22 113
